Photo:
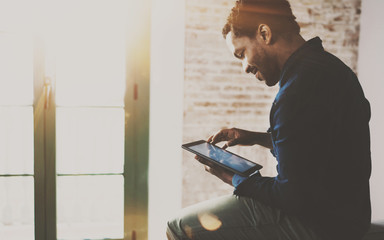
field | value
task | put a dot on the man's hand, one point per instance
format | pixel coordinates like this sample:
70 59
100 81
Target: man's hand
235 136
222 173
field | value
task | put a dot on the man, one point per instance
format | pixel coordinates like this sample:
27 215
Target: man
318 133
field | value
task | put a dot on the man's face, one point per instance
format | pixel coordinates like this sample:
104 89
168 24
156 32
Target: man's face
253 52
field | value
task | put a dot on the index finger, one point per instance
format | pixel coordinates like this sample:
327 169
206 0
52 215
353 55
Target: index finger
219 136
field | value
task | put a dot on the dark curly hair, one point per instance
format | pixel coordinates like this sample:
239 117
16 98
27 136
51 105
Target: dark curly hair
247 15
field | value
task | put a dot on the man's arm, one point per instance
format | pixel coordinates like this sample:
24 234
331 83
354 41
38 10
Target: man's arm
236 136
301 132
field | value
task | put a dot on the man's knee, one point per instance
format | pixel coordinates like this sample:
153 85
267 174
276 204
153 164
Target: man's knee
178 231
174 229
170 234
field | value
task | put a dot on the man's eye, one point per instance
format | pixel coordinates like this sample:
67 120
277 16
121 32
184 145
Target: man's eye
240 55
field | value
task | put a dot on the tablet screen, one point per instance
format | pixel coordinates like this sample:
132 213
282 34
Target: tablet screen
223 157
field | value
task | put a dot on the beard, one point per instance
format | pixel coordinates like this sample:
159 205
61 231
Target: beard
273 79
269 70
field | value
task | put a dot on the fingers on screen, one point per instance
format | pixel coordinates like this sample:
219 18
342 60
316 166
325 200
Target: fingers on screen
220 136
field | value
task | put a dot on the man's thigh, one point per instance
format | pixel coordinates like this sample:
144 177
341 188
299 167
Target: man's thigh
232 217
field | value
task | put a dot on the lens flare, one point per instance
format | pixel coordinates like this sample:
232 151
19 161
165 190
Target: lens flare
209 221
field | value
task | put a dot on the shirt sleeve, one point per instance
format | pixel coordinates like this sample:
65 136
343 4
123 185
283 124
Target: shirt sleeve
237 179
272 151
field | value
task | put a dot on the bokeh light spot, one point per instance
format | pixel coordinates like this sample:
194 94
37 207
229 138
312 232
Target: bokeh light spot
209 221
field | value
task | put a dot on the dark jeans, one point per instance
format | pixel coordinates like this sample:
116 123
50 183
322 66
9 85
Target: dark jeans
236 218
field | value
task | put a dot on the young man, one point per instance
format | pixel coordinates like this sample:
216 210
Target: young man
318 133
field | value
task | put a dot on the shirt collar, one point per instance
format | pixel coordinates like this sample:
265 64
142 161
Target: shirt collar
314 44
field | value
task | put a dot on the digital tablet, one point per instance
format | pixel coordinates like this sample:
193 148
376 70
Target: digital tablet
224 158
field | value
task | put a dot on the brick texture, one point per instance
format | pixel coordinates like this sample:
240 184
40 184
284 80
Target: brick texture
218 94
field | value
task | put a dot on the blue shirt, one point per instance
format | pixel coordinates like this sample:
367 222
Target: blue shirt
237 179
320 135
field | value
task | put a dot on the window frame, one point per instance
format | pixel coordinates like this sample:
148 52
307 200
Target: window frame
44 115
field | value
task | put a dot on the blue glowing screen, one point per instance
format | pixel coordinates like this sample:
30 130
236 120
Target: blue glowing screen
223 157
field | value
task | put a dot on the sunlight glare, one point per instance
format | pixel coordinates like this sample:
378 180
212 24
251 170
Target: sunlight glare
16 69
209 221
87 40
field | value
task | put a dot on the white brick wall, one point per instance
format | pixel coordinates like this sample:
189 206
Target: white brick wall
218 94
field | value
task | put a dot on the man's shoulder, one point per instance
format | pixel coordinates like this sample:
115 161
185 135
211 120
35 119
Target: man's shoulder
318 70
323 65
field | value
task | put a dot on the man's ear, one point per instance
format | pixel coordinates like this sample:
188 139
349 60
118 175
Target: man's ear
265 33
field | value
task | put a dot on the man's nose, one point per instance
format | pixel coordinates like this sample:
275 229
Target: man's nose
246 66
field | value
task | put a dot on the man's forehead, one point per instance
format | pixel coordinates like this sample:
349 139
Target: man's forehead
228 39
234 42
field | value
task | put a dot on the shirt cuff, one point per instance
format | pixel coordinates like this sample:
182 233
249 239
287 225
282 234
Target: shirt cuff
237 179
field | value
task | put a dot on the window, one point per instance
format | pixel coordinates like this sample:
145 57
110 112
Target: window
16 136
89 73
74 125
